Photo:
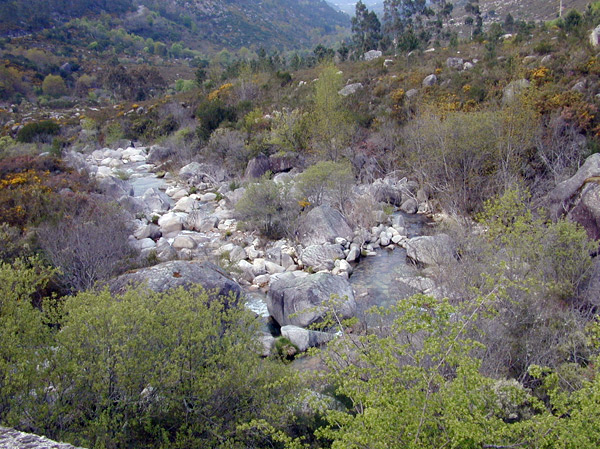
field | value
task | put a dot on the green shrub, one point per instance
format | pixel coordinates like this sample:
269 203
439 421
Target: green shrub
142 369
268 207
182 85
285 349
54 86
210 114
326 181
38 131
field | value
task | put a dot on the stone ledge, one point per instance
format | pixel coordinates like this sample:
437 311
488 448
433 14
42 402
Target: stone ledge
13 439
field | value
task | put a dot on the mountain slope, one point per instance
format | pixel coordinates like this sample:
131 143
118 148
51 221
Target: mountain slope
201 24
21 16
253 23
531 9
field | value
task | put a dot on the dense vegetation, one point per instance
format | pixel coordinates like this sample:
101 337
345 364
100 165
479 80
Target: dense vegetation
509 359
206 24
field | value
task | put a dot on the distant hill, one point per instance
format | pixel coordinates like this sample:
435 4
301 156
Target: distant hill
202 24
530 9
349 6
276 24
23 16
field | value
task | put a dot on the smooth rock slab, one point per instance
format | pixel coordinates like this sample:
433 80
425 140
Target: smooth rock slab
164 250
156 200
170 222
350 89
322 257
431 250
179 273
323 224
184 242
298 300
429 80
13 439
232 252
185 204
147 231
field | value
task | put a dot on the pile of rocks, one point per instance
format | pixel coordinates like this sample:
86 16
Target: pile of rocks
190 217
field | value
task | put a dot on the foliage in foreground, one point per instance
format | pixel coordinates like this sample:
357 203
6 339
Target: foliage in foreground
145 369
418 385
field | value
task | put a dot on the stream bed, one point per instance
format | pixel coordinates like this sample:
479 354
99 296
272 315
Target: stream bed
375 278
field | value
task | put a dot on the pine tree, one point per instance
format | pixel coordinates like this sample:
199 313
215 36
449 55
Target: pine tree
366 29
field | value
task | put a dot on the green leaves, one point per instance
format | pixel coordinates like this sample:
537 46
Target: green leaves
331 126
24 337
147 369
418 385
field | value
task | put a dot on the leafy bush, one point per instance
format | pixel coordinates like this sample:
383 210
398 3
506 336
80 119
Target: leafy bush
23 333
268 207
419 385
54 86
327 182
172 369
210 114
289 130
38 131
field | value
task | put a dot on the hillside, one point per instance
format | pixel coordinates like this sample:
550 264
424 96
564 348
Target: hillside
201 24
281 24
535 10
207 241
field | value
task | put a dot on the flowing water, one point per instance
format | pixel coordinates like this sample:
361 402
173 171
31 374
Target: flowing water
375 278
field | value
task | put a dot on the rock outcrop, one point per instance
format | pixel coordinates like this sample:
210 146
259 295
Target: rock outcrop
372 54
321 257
257 167
431 250
179 273
429 80
321 225
13 439
305 338
455 63
298 300
514 89
562 197
586 211
350 89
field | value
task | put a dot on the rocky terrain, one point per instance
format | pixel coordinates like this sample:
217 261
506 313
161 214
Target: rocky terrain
13 439
170 225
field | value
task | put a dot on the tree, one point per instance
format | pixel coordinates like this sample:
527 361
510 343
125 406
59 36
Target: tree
509 23
323 53
366 29
472 8
54 86
88 244
410 17
327 182
173 369
289 130
572 20
331 124
343 51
